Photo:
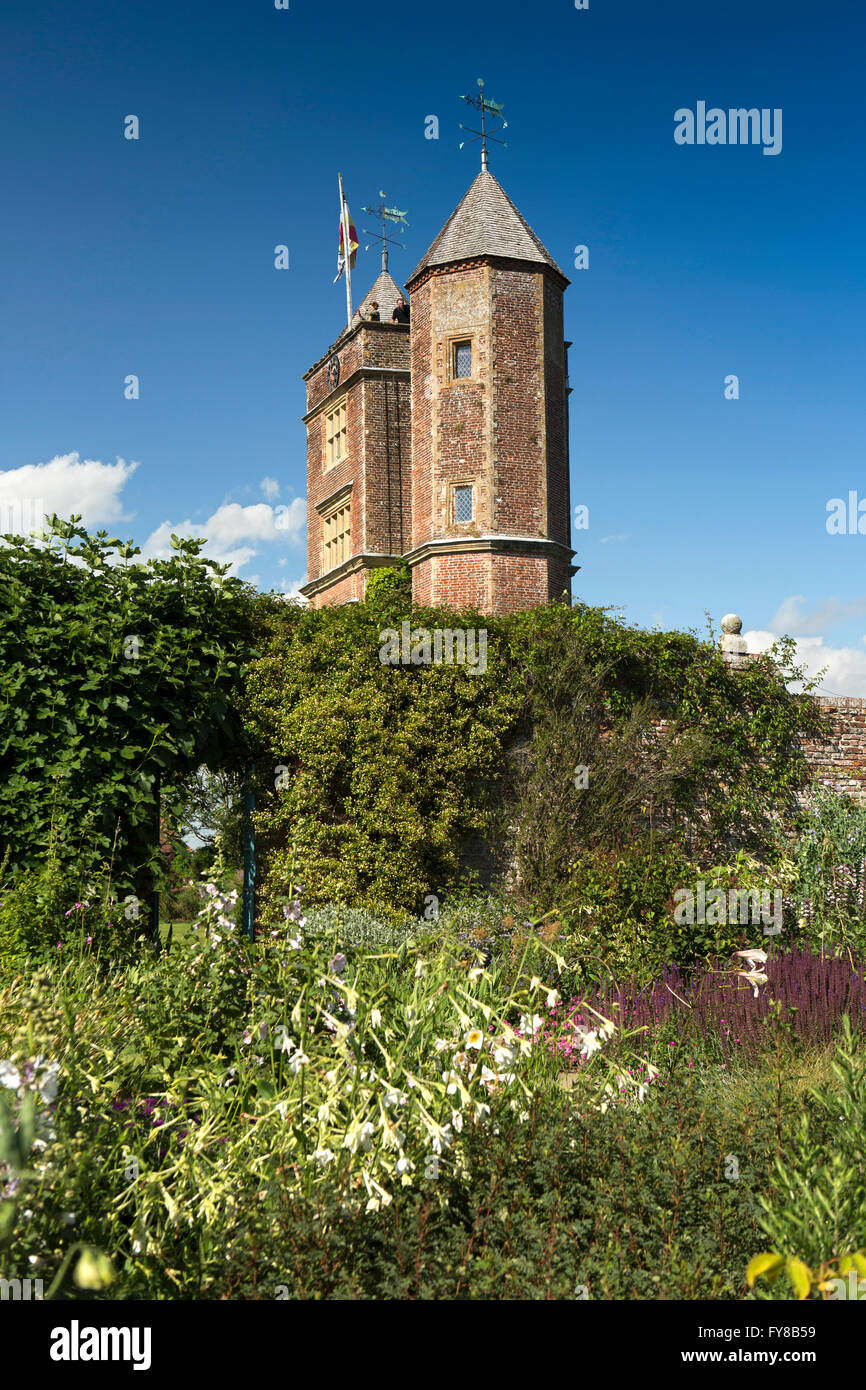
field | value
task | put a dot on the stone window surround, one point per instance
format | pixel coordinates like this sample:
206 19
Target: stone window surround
339 406
328 509
453 485
450 345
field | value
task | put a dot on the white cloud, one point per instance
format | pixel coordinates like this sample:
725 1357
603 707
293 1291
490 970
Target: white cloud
271 488
603 540
844 667
829 613
292 588
234 533
66 485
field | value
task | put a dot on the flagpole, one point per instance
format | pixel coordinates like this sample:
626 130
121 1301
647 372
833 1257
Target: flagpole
344 215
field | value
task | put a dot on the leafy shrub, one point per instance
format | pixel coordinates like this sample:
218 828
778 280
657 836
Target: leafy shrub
48 910
388 593
629 1205
830 864
361 930
389 767
114 676
814 1209
389 770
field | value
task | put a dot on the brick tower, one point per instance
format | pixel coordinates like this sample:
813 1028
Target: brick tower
358 453
446 444
490 488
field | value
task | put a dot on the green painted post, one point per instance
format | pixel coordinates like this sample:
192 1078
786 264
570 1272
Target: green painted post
249 898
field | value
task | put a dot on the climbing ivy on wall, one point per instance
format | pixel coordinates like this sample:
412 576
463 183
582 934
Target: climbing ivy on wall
374 772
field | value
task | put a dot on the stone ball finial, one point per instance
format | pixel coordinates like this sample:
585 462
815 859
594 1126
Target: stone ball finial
731 623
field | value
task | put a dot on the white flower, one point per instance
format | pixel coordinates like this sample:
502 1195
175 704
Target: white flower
754 957
392 1137
440 1138
440 1045
358 1137
474 1038
530 1023
405 1165
754 978
393 1099
375 1018
589 1042
300 1059
482 1110
322 1157
553 998
452 1082
337 964
10 1077
457 1120
504 1053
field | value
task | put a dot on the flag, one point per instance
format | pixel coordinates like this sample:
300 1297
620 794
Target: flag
346 221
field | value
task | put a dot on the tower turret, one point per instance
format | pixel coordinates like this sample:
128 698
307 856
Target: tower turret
490 487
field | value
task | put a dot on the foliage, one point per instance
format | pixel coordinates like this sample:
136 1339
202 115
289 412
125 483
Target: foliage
389 591
113 674
300 1066
328 1113
830 865
372 777
814 1210
361 930
208 803
618 913
630 1205
387 768
47 910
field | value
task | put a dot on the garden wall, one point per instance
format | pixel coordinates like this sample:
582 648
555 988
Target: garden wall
839 759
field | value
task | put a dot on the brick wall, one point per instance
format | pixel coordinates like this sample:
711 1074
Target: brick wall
839 759
503 430
375 380
518 412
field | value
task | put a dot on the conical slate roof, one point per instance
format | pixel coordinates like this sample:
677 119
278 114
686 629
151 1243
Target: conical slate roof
385 292
485 223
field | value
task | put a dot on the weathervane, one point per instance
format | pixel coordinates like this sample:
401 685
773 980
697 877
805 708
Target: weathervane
487 108
385 215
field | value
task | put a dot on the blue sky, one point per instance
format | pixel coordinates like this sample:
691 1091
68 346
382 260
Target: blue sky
156 258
